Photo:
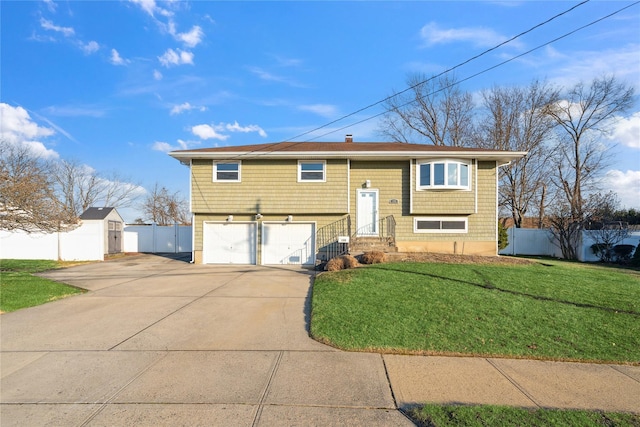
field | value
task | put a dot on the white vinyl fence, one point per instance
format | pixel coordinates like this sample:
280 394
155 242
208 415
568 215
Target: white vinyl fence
86 243
157 239
537 242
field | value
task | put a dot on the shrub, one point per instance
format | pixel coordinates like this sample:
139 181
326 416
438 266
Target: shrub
623 252
503 237
373 257
635 260
341 263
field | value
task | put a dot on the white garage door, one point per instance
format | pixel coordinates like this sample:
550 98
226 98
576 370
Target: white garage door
229 243
288 243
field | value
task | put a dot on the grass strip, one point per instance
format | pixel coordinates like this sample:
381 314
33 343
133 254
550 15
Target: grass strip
554 311
432 415
19 288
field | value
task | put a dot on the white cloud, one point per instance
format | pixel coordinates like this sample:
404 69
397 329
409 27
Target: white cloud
75 111
627 131
185 106
568 68
176 57
50 5
208 132
89 48
49 25
626 185
218 131
235 127
192 38
165 147
17 127
433 34
148 6
116 59
324 110
157 75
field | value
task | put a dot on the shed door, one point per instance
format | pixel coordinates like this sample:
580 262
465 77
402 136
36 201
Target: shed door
114 237
229 243
288 243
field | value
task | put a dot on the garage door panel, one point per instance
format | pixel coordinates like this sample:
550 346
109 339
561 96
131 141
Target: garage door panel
288 243
229 243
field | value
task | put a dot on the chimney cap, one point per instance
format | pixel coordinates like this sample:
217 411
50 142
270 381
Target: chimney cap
348 138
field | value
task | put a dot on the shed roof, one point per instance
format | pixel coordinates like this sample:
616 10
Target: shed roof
96 213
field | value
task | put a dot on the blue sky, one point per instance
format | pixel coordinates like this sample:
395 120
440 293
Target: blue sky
116 85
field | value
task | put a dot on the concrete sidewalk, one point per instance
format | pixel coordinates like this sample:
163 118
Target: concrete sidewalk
158 341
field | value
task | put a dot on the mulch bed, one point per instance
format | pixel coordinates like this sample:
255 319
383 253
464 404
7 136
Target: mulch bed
455 259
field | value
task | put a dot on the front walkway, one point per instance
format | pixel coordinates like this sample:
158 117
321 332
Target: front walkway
158 341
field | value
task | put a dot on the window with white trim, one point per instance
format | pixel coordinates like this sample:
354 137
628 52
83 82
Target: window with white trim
226 171
436 174
312 170
440 225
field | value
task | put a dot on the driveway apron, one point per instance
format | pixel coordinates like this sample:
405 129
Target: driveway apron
159 341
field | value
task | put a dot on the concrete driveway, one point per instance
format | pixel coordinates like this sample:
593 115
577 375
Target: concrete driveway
159 341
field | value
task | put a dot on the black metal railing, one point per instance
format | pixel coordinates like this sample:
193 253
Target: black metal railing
384 229
328 239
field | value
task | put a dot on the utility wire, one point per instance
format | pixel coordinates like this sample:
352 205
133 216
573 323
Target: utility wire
460 81
442 73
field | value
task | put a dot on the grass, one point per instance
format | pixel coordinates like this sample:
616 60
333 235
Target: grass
19 288
485 415
554 311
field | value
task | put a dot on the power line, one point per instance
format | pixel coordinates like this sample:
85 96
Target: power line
443 72
460 81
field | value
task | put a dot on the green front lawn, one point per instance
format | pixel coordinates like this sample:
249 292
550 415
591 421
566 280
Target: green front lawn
485 415
19 288
556 310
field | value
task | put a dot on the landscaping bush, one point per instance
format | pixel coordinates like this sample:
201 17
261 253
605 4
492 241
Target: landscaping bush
342 262
623 253
373 257
635 260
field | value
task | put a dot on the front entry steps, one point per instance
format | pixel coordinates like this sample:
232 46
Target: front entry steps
369 244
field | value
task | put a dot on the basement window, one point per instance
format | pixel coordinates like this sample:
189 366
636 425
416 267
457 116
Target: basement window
312 171
440 225
442 174
226 171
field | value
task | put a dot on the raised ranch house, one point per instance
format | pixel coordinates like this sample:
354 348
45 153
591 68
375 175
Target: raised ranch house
304 202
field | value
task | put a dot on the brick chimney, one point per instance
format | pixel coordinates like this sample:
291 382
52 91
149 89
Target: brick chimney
348 138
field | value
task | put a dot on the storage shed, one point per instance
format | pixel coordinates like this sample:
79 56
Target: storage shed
113 224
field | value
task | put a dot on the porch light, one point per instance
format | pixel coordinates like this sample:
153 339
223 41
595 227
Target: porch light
230 218
258 215
289 218
367 184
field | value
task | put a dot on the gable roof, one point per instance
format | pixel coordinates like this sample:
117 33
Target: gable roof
97 213
343 150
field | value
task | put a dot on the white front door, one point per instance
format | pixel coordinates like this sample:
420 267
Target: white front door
367 213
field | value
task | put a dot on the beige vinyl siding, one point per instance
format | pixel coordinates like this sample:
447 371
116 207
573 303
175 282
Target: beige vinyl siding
481 225
387 177
269 186
444 201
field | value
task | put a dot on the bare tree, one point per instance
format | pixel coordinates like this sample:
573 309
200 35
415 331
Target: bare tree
516 121
165 208
27 198
583 118
433 110
80 187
